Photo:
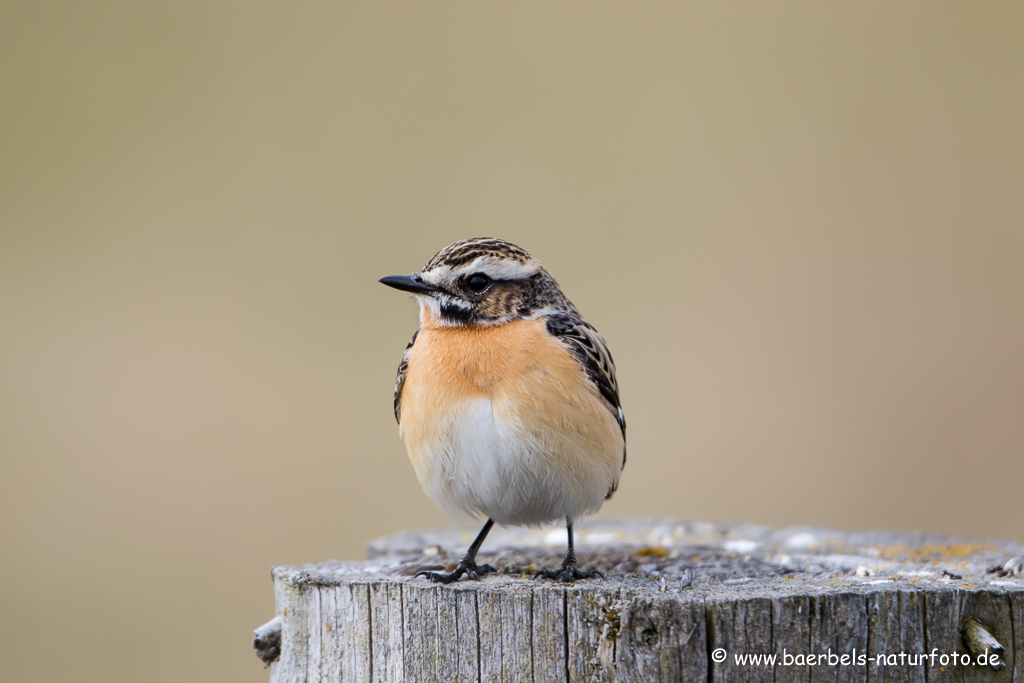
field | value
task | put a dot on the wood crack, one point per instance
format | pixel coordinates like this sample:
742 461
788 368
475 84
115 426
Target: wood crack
479 649
369 621
565 630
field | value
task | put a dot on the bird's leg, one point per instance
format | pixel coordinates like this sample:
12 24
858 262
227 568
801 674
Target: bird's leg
467 565
568 573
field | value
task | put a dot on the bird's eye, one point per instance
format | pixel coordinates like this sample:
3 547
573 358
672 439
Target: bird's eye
477 282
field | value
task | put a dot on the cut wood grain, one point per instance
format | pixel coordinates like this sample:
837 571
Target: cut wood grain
681 602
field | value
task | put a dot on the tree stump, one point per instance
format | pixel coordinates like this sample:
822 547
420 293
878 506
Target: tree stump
682 601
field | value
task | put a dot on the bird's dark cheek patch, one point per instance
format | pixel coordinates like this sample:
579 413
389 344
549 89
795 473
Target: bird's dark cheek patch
461 316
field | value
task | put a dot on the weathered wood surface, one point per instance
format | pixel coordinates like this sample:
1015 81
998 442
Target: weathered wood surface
678 594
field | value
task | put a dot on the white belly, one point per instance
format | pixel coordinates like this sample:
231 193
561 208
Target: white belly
479 461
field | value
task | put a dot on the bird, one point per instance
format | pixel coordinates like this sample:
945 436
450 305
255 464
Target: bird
506 398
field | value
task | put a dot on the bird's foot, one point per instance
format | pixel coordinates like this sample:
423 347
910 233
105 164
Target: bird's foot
466 567
568 573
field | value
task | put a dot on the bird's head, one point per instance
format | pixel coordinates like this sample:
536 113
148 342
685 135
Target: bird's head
481 281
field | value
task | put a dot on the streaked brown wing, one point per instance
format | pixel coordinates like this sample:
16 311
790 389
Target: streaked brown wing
592 352
400 379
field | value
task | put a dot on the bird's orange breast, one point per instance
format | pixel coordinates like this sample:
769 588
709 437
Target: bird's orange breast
527 373
470 361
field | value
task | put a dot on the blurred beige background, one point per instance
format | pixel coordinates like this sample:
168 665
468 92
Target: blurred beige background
800 226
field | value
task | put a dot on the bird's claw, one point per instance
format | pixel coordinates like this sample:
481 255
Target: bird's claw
437 577
471 570
567 574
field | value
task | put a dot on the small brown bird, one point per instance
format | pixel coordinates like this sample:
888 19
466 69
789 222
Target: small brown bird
506 397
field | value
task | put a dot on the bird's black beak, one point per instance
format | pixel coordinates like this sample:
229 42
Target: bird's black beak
408 283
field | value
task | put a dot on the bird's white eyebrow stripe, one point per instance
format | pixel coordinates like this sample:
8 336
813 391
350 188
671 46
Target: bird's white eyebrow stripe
453 301
495 268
